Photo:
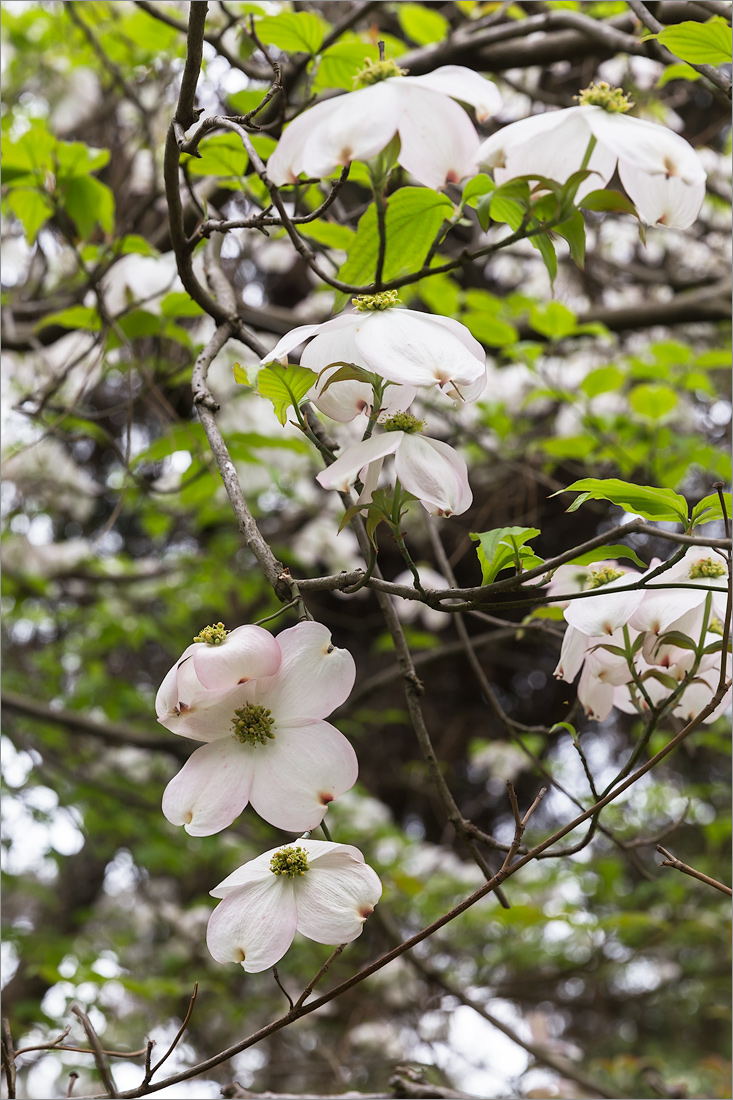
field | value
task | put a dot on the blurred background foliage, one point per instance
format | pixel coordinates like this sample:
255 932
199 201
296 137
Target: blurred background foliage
120 545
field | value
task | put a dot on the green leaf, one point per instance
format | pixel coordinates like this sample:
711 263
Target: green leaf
83 317
422 25
138 323
89 203
608 553
708 43
29 156
476 186
709 509
678 71
554 321
240 375
565 726
133 243
74 159
293 31
502 548
178 304
329 233
543 243
490 330
509 203
347 373
605 200
573 230
413 217
221 155
284 386
339 64
643 500
602 380
32 208
653 400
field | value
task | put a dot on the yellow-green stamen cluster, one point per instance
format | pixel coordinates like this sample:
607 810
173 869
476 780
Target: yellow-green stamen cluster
707 567
290 862
603 95
212 635
715 626
403 422
252 724
374 71
368 303
599 577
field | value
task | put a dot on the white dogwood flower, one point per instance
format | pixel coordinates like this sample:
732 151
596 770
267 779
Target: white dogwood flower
429 469
659 170
438 143
400 345
323 890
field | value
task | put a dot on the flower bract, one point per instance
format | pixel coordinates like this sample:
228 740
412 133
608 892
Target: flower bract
438 143
267 742
429 469
323 890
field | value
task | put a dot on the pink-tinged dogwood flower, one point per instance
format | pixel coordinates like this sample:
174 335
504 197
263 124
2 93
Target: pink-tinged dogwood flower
216 662
323 890
438 143
659 170
429 469
400 345
700 567
267 743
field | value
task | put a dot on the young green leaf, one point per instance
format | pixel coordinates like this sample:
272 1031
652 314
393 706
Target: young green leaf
709 509
285 387
504 547
643 500
708 43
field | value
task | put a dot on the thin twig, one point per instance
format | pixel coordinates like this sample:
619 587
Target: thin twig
323 970
100 1057
180 1032
8 1054
672 861
282 988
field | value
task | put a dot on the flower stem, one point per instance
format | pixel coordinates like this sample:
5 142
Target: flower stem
588 153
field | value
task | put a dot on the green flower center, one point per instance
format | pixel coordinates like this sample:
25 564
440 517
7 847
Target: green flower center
603 95
290 862
707 567
374 71
212 635
599 577
368 303
252 724
403 422
715 626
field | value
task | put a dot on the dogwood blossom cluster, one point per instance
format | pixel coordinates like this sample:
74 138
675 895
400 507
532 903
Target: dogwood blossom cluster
259 703
406 351
637 647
